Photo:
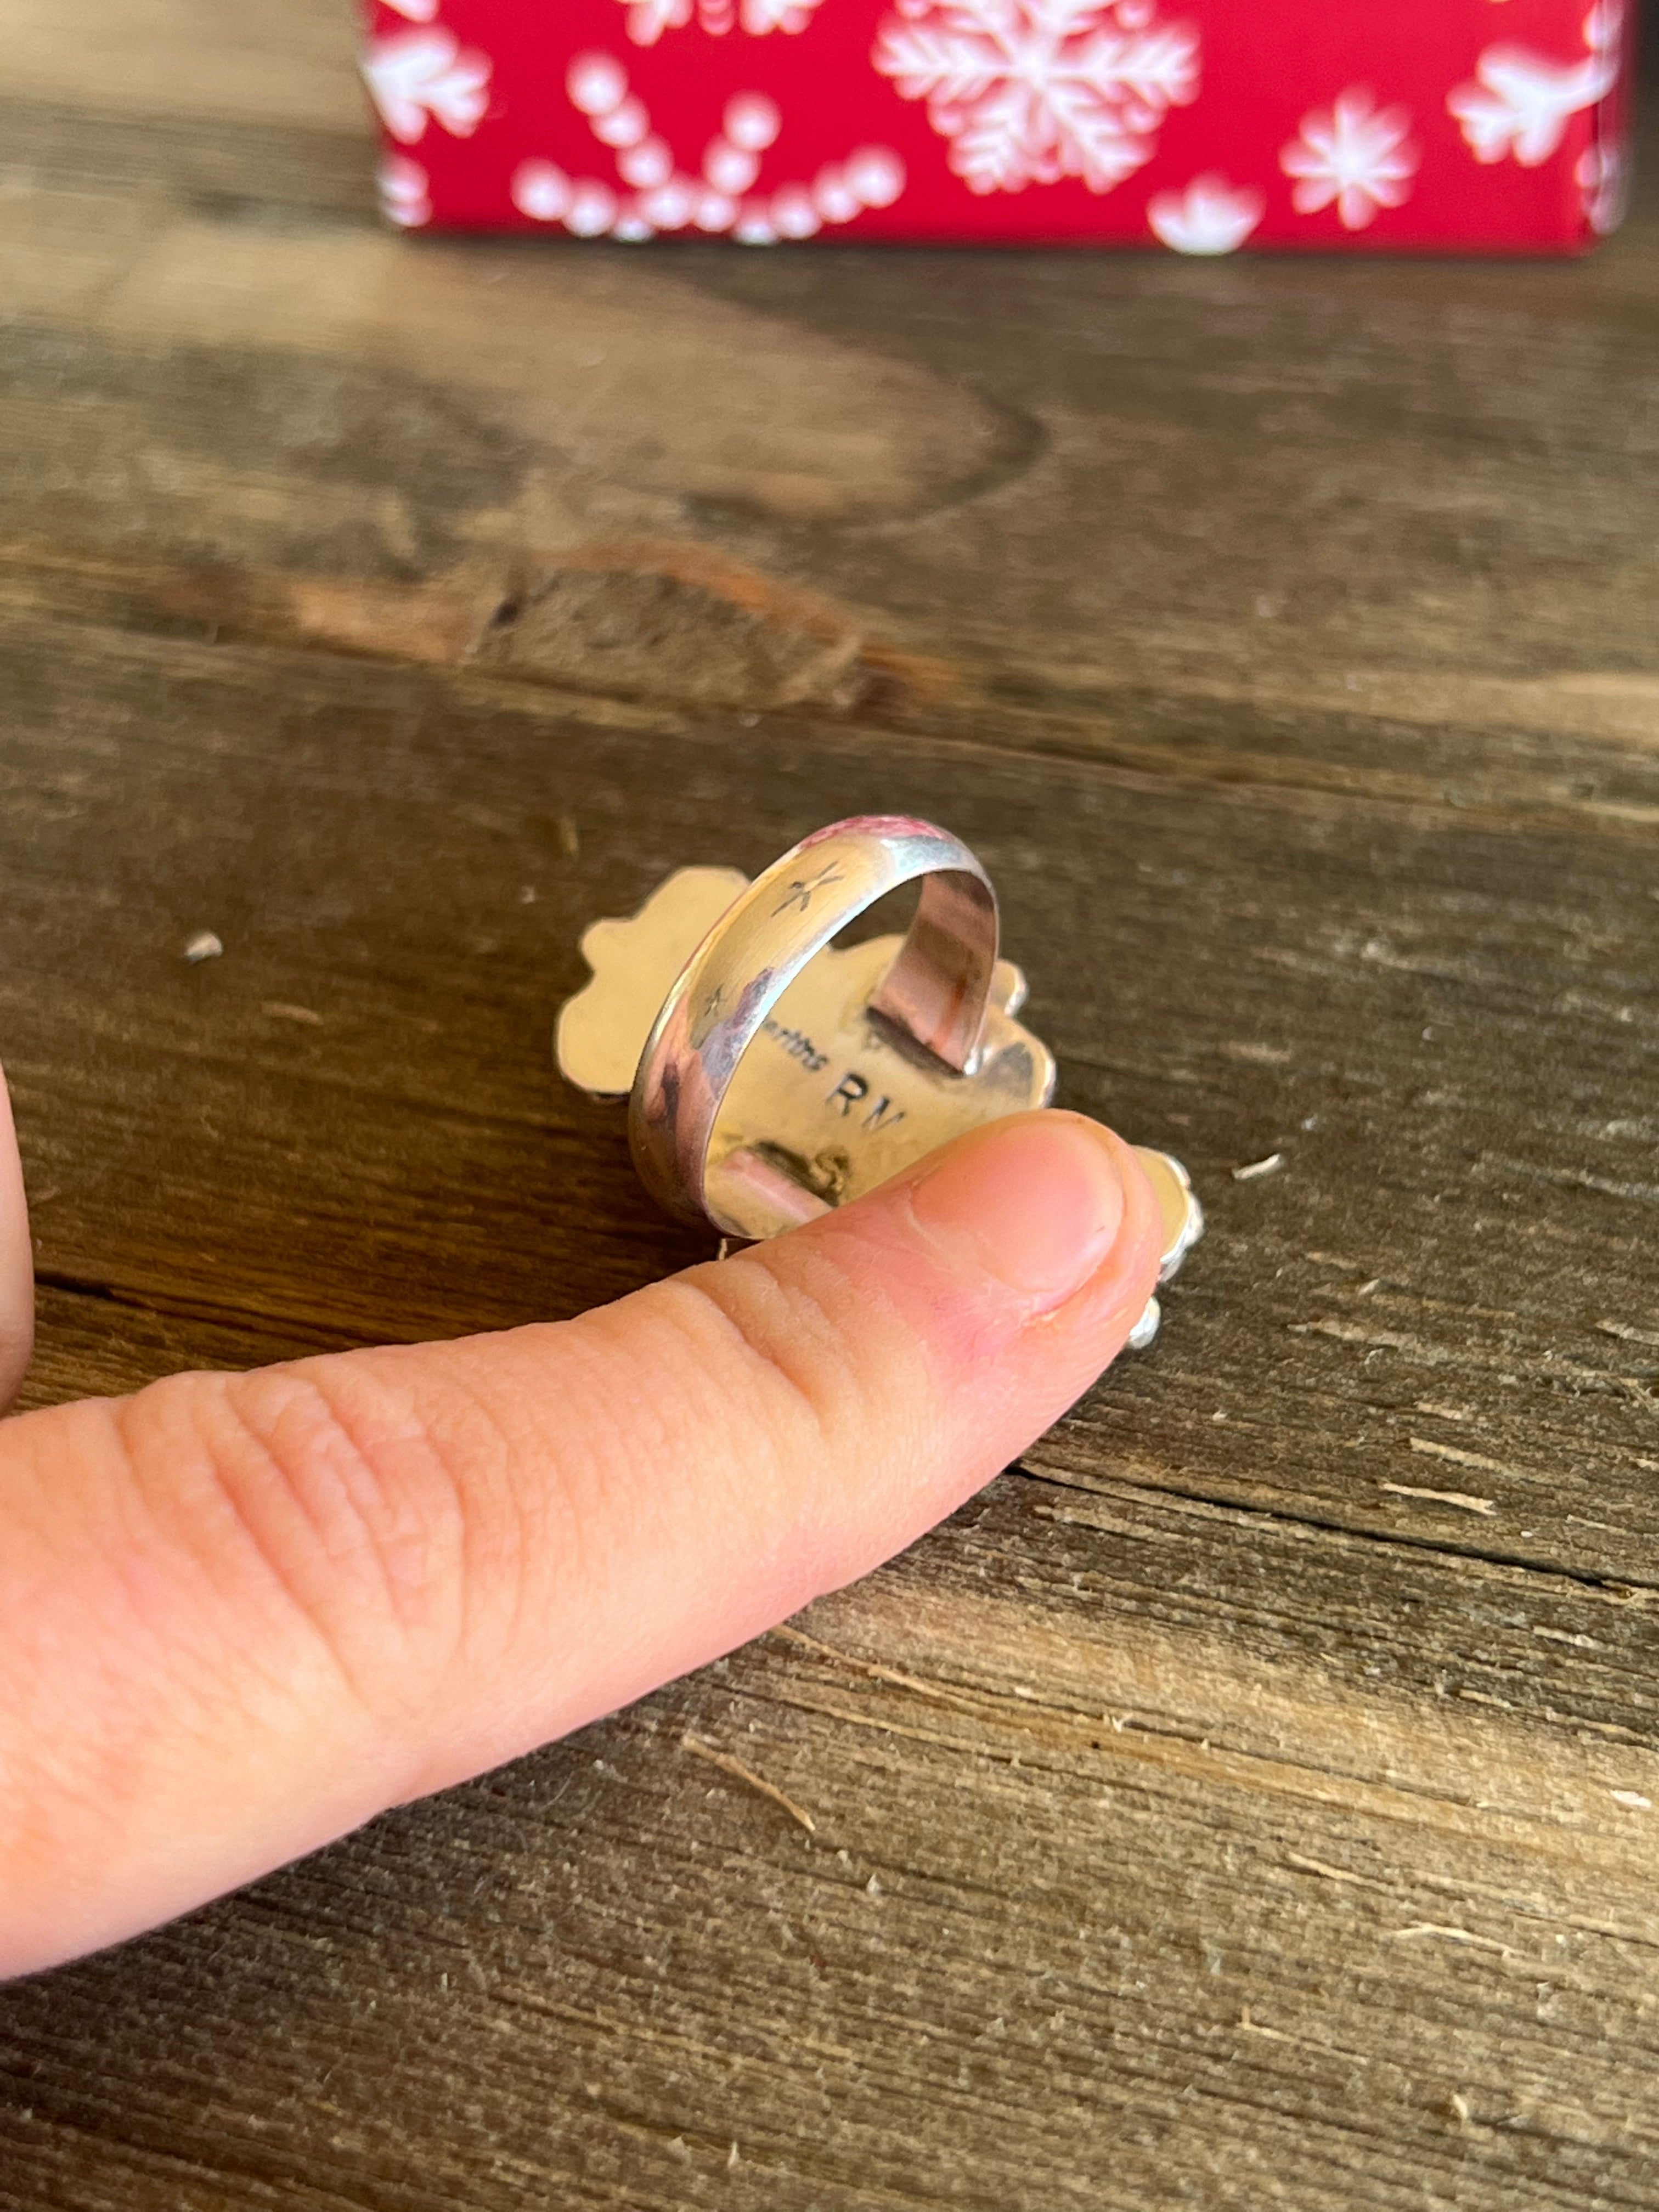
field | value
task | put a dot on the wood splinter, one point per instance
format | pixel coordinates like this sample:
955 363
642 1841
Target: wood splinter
735 1767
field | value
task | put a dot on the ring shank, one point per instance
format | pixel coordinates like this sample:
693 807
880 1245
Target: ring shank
936 991
936 987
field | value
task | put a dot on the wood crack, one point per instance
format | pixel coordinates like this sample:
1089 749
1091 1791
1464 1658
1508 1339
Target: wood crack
1621 1586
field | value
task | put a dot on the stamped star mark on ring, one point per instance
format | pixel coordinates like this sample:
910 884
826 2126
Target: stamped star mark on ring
802 889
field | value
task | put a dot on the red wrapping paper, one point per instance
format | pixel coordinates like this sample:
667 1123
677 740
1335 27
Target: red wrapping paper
1201 126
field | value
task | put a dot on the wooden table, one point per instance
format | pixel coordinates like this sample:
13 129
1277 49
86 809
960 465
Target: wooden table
1253 1799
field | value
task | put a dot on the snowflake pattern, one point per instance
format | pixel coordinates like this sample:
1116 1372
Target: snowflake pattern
1520 102
405 193
1026 92
415 76
648 19
1211 216
1355 153
724 200
1030 91
1602 176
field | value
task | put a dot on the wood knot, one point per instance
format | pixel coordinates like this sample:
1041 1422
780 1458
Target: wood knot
661 619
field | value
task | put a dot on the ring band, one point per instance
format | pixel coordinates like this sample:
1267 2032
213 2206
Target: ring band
936 991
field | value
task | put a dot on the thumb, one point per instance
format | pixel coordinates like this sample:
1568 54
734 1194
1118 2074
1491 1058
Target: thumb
238 1615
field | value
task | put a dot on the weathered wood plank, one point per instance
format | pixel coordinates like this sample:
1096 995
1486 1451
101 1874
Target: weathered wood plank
1425 1298
1440 473
1138 1930
177 57
215 1155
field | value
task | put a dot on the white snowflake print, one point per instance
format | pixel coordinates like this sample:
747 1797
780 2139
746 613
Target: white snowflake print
1354 153
1602 176
417 76
725 199
404 196
648 19
1520 100
1030 91
1211 216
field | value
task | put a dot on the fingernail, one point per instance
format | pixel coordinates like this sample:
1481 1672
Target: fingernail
1031 1205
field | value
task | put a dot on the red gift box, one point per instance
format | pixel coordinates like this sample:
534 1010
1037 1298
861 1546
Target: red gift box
1490 125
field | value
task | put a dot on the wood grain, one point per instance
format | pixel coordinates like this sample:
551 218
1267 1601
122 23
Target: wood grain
1250 1800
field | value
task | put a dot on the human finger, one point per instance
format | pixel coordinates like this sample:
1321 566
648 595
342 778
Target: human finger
16 1260
239 1615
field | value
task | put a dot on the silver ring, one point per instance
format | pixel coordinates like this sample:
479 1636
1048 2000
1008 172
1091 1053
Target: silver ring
935 992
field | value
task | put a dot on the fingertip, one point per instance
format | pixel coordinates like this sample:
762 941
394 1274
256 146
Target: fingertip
1030 1207
1044 1217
